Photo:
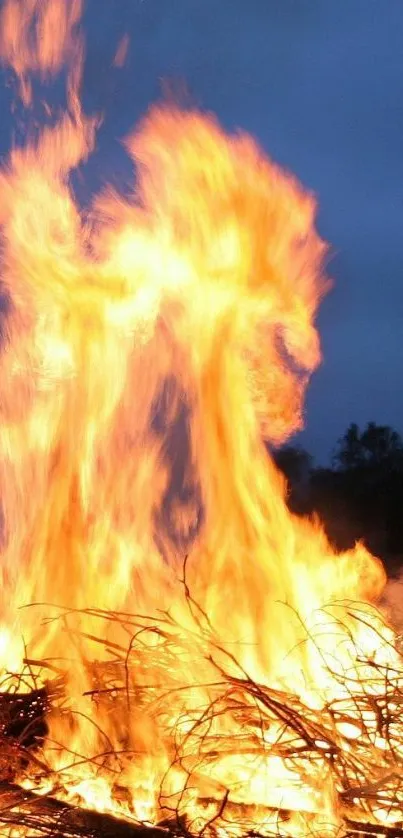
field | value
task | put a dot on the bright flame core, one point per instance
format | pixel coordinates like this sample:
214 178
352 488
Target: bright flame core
187 309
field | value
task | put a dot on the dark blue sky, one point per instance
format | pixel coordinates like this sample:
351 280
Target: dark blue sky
320 84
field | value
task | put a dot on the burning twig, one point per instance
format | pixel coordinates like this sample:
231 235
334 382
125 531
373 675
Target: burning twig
265 724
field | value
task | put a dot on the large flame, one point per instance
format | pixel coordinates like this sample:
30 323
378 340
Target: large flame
175 327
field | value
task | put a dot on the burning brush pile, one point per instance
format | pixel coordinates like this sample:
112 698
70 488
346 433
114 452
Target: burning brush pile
251 686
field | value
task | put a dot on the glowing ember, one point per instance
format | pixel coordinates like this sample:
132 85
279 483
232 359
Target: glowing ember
242 687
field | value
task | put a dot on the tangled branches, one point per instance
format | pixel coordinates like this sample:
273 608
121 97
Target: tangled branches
184 736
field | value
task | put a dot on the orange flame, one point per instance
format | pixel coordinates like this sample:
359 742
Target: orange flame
41 36
205 283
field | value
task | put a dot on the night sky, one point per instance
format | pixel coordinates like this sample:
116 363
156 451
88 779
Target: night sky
320 84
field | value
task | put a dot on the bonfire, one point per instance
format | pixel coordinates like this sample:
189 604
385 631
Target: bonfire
179 654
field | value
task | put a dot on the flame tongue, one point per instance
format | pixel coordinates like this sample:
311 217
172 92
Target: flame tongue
203 287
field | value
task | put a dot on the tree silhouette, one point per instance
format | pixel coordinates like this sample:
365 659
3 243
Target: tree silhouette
376 446
360 497
294 462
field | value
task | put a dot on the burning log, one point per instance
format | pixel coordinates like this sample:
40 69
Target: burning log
360 828
45 815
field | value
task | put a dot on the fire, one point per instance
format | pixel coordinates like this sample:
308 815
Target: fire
182 679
